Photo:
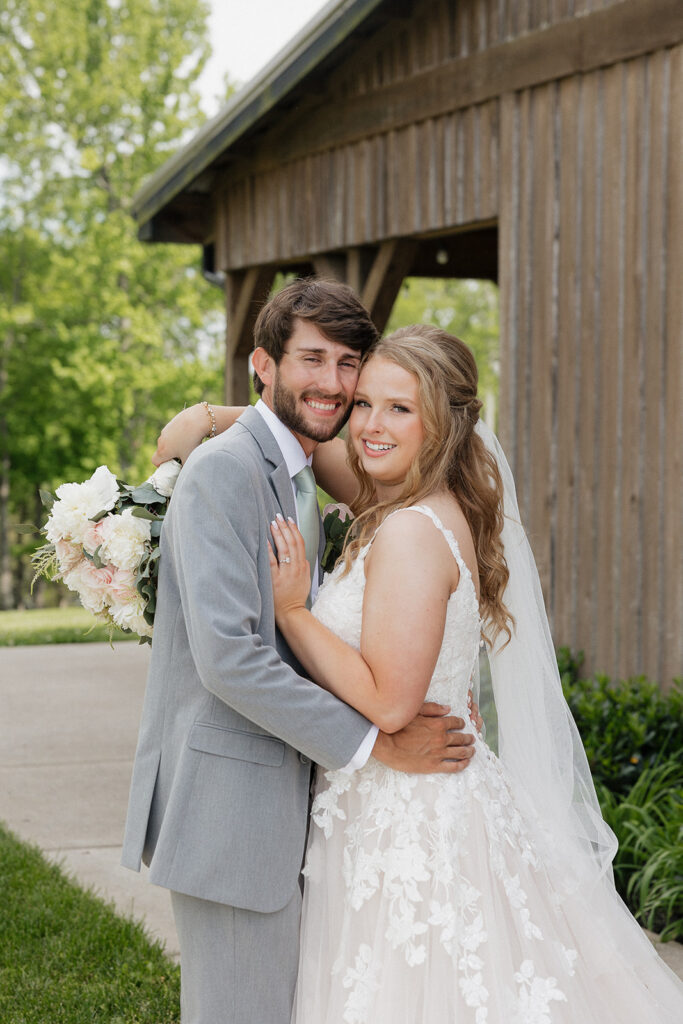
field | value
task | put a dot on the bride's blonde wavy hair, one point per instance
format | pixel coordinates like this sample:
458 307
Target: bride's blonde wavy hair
452 454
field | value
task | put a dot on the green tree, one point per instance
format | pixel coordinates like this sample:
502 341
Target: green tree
101 337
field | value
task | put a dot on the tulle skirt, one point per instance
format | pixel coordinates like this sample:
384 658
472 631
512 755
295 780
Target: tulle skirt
431 900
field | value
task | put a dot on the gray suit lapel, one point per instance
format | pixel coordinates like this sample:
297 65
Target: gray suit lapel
281 482
280 479
279 475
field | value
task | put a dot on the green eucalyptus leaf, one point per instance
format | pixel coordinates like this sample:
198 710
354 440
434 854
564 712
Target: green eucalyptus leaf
146 495
100 515
26 528
147 590
139 512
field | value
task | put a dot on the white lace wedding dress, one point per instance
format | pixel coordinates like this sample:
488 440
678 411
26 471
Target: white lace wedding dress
426 901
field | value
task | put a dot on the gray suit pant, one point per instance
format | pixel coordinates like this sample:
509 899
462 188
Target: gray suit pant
236 966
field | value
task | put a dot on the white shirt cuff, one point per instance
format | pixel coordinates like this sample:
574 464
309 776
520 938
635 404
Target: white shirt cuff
363 753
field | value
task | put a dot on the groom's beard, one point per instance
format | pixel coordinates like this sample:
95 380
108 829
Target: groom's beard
285 408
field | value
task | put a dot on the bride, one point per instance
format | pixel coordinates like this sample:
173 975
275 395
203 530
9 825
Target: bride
486 896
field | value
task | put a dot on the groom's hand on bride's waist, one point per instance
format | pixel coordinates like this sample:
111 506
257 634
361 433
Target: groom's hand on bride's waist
432 742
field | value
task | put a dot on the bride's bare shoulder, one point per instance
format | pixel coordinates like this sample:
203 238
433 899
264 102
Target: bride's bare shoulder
411 538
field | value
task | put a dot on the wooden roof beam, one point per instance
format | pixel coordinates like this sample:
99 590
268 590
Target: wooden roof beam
390 266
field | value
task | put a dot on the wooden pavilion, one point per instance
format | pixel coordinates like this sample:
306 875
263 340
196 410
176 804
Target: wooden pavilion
536 143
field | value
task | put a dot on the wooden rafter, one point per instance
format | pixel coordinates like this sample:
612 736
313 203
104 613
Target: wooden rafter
391 265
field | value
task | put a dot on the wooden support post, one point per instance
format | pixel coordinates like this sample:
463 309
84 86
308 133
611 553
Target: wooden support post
352 267
391 265
245 293
330 265
359 263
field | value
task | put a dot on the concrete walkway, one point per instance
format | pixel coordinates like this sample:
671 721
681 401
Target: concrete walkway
69 717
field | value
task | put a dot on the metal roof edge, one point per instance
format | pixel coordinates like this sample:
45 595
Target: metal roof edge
316 40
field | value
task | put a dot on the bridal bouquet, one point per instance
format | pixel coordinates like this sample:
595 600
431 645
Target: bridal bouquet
103 542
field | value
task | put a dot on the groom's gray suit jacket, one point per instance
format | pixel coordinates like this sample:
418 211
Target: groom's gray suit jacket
219 796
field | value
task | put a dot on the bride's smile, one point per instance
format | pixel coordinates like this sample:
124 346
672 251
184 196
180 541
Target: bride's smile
386 426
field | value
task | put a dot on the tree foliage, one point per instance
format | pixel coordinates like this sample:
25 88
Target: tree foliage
101 337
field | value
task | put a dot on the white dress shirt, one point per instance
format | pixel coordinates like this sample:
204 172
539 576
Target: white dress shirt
295 460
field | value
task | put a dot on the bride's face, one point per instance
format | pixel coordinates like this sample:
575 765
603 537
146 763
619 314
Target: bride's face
386 427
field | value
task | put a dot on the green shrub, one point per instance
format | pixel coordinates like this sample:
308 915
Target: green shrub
569 665
625 727
633 736
648 867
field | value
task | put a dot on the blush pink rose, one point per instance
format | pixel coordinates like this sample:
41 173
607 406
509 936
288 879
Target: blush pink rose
92 537
344 511
92 585
68 555
127 605
123 587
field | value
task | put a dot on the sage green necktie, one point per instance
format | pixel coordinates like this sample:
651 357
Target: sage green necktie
307 511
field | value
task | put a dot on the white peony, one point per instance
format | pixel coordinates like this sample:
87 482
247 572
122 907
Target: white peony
131 617
102 490
164 479
127 606
76 504
124 539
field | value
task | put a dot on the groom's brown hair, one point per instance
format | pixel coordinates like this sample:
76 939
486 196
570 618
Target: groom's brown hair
331 306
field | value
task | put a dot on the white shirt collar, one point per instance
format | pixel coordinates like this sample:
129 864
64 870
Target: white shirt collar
292 452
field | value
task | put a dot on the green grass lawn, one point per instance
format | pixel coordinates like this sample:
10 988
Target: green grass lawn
71 625
67 958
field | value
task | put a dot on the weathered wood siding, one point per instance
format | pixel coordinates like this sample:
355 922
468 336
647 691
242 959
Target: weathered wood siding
591 410
347 167
441 30
439 173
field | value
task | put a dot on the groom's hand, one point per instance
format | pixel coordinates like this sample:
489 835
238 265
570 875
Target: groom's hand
432 742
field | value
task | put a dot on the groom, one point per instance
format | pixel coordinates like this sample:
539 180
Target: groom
230 727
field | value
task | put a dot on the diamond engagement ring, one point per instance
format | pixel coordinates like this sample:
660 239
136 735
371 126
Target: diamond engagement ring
286 560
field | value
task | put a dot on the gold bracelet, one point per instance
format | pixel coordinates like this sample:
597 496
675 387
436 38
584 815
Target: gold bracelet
212 416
